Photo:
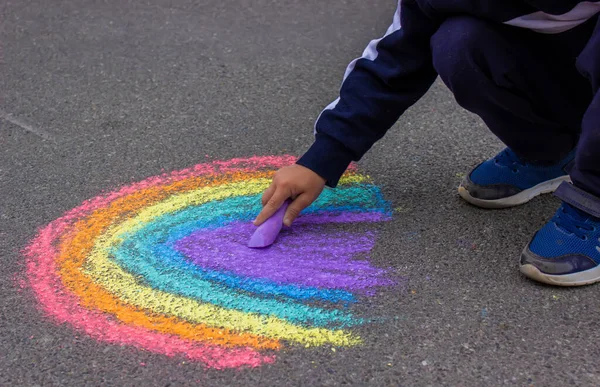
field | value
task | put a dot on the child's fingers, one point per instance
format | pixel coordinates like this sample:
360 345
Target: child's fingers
271 206
268 194
294 209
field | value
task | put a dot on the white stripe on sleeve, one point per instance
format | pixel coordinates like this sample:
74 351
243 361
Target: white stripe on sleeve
370 53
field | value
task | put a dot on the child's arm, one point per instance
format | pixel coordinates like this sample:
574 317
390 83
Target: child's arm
393 73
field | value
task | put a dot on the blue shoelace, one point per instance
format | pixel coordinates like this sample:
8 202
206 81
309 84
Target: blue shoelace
572 221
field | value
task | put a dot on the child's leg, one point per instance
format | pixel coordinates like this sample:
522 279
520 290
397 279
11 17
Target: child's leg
524 85
528 90
586 173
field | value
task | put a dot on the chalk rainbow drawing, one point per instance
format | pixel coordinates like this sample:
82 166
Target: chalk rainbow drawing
162 265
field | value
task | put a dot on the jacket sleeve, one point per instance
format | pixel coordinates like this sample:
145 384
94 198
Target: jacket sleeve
392 74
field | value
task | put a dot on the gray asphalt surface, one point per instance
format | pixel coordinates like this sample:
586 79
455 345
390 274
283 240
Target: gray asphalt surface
97 94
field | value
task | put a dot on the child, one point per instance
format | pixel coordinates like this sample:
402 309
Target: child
530 69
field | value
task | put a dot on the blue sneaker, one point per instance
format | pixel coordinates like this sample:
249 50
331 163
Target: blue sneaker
566 251
506 181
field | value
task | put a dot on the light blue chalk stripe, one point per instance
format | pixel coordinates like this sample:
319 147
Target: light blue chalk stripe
355 199
179 226
261 286
137 257
172 278
152 236
176 281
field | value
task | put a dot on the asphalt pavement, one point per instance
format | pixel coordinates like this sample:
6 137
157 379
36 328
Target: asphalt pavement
99 94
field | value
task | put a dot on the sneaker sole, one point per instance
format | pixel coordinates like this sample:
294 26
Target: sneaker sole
576 279
515 200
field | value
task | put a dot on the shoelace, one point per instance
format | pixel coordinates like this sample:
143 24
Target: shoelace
572 220
508 158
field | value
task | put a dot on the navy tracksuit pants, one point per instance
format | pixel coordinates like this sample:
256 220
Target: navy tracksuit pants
534 91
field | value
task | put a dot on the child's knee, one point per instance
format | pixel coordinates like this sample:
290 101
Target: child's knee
455 44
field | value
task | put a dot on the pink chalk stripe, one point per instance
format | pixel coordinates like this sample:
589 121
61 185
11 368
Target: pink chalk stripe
63 307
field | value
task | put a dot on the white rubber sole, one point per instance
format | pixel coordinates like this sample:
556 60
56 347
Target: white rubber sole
515 200
576 279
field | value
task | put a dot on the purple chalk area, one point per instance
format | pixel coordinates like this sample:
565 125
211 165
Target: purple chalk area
308 253
266 234
344 217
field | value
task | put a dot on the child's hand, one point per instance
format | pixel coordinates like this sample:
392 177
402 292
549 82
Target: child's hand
296 182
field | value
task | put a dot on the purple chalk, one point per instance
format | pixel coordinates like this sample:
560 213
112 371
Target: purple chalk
313 253
267 232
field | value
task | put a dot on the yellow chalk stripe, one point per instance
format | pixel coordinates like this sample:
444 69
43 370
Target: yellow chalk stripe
125 285
181 201
194 198
354 178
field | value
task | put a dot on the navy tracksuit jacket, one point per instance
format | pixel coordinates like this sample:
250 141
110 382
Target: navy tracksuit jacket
529 68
